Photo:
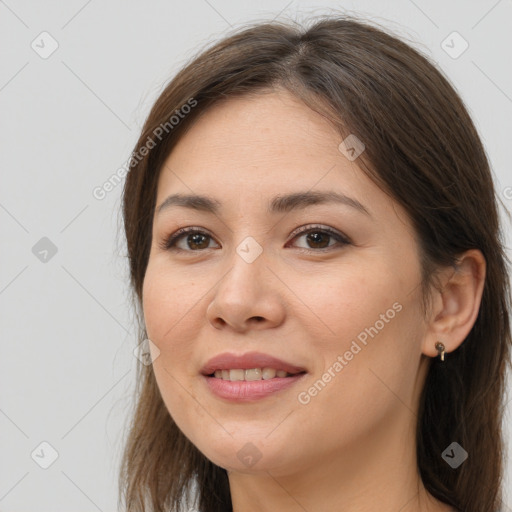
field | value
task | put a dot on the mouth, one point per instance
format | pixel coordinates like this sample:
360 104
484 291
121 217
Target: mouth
249 366
250 376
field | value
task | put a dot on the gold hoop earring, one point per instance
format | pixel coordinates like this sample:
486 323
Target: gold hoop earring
440 348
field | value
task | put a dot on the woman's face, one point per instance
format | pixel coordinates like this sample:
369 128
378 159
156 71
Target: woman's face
340 300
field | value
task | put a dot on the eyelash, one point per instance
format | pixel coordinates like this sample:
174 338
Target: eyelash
169 243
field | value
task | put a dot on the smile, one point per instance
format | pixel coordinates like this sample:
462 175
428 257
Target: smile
250 374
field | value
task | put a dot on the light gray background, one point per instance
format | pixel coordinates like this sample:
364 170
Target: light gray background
68 122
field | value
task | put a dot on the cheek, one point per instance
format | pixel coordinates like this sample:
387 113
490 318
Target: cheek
170 307
171 324
370 343
363 386
167 300
344 303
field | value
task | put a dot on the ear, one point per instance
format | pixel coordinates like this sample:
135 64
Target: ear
455 306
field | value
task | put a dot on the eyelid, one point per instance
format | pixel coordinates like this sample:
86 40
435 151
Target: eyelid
320 227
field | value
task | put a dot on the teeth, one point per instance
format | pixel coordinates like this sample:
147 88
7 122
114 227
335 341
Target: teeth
254 374
236 375
249 375
268 373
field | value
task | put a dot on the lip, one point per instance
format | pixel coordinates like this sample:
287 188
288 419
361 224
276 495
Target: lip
249 391
247 361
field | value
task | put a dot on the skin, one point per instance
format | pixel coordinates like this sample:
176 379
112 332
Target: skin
352 446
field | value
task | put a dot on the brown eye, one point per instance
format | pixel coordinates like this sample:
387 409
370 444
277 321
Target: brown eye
187 239
197 241
321 238
318 239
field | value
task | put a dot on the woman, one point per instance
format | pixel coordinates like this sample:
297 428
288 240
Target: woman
317 262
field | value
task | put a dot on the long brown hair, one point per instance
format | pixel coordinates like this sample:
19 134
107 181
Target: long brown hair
422 149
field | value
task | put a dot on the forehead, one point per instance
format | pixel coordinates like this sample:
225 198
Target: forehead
269 136
267 117
253 148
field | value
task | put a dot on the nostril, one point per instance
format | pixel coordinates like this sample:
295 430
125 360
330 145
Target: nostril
219 322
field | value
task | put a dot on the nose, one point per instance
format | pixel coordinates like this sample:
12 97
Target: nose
248 296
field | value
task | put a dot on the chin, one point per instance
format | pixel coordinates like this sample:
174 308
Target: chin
247 454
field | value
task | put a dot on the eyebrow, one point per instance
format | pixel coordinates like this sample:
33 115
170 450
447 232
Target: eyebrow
279 204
